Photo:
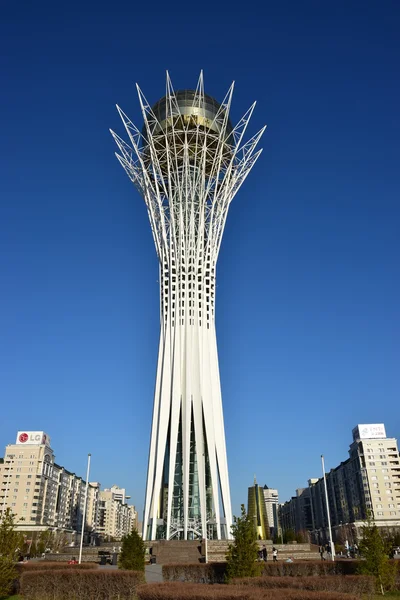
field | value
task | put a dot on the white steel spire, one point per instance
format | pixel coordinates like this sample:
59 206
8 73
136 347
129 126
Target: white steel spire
188 162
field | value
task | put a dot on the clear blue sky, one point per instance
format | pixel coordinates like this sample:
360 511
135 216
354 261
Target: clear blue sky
308 279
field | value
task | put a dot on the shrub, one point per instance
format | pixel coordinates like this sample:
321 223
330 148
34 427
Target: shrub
195 572
52 566
358 585
215 572
8 576
310 568
132 552
192 591
80 584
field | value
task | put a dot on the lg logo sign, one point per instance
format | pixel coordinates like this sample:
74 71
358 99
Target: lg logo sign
32 437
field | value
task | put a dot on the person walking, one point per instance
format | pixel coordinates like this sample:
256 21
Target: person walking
264 553
274 554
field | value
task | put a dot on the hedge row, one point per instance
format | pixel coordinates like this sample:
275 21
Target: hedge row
198 591
52 566
215 572
80 584
195 572
310 568
358 585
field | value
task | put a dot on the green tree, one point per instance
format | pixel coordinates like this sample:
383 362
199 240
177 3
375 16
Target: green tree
242 553
289 535
9 538
375 549
9 545
132 552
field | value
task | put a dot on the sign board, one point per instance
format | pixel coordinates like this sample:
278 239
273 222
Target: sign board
372 431
33 437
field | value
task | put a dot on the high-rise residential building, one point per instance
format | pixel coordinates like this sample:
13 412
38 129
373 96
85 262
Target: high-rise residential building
271 499
256 509
297 514
45 496
367 482
187 161
115 517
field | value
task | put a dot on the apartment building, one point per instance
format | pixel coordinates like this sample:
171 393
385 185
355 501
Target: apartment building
367 482
45 496
115 517
297 514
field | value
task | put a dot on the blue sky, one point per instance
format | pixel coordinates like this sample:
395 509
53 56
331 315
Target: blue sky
308 278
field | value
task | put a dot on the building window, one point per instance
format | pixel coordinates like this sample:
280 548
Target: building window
379 506
392 512
386 477
374 478
376 485
380 513
371 464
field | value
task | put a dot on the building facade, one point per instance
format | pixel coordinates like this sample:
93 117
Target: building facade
368 482
271 499
115 517
256 509
45 496
188 162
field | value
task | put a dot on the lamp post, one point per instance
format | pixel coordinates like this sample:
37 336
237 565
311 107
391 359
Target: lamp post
84 509
327 510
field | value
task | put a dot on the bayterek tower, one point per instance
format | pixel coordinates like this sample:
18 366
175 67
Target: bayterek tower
187 162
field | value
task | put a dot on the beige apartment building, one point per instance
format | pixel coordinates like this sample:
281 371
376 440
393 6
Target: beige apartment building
45 496
367 482
115 517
